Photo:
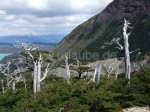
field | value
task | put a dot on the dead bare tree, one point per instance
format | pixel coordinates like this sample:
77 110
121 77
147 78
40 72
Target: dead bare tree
38 75
97 74
9 75
124 48
67 68
13 76
113 66
110 66
127 52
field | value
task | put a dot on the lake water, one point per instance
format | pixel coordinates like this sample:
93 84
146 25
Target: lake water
2 55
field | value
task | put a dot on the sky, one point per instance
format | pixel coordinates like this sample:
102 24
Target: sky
46 17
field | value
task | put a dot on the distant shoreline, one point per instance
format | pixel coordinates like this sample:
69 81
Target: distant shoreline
2 55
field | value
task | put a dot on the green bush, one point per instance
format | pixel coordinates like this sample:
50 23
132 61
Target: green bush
135 94
78 96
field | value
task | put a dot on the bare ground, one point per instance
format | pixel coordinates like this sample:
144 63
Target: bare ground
137 109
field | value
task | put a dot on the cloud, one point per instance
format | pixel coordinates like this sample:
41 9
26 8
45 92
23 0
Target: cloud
2 12
42 17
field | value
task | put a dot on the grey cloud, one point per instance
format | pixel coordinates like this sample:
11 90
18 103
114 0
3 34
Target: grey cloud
42 17
50 8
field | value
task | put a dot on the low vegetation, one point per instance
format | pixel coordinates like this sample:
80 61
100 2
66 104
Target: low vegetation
111 95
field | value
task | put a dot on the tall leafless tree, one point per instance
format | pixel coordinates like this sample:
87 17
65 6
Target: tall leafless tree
67 68
97 74
124 48
38 75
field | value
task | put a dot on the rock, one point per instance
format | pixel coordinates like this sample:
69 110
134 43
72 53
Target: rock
137 109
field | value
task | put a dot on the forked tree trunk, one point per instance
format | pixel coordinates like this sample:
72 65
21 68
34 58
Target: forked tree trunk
37 65
37 76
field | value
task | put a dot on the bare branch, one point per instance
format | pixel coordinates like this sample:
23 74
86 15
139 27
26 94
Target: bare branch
28 47
46 72
134 51
110 67
117 41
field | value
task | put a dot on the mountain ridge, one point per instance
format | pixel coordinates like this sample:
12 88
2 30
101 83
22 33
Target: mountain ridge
32 38
102 28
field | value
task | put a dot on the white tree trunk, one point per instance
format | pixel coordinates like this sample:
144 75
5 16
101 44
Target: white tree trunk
37 74
35 78
25 86
117 72
127 53
99 72
39 77
7 81
67 68
14 86
94 77
3 88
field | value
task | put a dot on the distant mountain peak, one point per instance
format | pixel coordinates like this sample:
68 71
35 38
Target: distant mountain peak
124 8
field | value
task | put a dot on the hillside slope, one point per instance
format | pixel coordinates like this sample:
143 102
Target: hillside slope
91 35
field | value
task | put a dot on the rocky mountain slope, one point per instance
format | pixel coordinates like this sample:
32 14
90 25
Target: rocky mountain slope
91 35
